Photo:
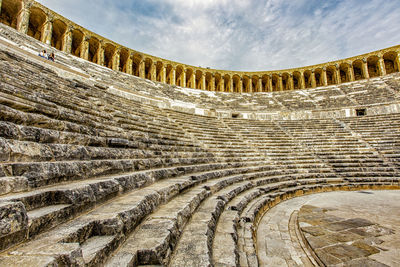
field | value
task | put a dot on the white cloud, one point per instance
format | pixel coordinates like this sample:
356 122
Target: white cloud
242 34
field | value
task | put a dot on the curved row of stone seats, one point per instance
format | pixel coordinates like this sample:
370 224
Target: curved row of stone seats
57 107
349 156
364 92
48 207
130 195
381 132
220 232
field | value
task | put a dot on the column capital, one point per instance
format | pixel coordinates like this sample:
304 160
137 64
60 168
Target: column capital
49 17
364 60
86 37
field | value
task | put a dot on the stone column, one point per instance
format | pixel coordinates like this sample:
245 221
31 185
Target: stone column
212 87
153 72
173 76
23 18
163 74
115 60
351 73
302 81
291 82
365 68
270 89
85 47
203 81
193 80
381 65
313 81
397 61
250 85
324 77
142 71
259 82
0 5
280 83
67 41
338 78
100 54
230 84
183 82
47 31
222 85
129 63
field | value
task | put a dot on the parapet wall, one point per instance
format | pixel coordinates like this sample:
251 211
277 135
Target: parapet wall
43 24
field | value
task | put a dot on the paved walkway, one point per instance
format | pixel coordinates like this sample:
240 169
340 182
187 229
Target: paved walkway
277 241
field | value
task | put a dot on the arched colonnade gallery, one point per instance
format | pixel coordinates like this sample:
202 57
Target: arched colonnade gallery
39 22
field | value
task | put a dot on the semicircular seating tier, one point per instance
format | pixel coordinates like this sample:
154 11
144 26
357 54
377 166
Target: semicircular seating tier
102 168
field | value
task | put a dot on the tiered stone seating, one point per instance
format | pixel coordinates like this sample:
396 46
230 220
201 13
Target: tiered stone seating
349 156
380 132
91 178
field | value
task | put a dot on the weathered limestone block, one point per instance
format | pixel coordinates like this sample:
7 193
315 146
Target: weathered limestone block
18 261
13 224
13 184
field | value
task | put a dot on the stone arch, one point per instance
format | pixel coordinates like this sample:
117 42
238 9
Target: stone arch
159 71
264 83
179 76
77 38
57 36
109 51
275 82
123 60
169 71
285 81
344 72
199 77
218 79
9 12
190 83
37 19
319 77
357 69
373 66
246 84
255 83
136 60
227 83
94 45
331 75
296 80
307 79
148 68
208 81
390 62
235 83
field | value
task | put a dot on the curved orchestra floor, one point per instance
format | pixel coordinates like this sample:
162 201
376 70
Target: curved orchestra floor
376 212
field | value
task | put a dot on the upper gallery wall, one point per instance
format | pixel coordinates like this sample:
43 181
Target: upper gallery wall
45 25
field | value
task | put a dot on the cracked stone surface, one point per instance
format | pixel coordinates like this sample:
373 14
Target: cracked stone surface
343 229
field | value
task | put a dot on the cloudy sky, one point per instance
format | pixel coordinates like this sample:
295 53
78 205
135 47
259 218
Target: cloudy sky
241 34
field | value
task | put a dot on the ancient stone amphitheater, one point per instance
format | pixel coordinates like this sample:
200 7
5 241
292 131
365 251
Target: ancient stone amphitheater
110 157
